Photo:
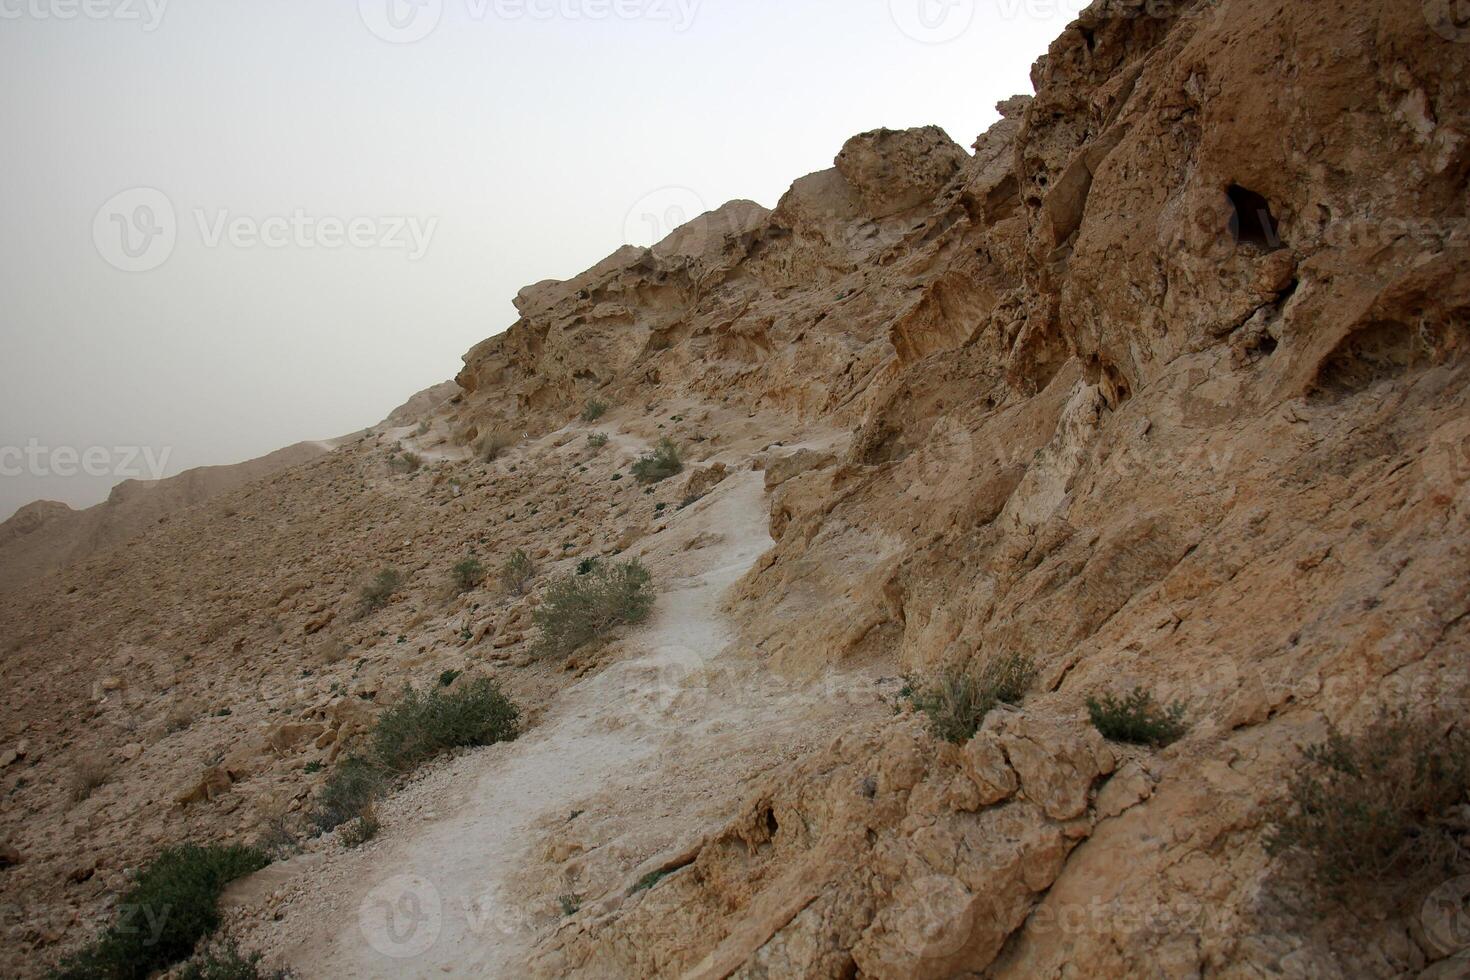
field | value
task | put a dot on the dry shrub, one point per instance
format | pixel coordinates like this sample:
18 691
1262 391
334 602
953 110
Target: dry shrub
490 445
87 776
1379 812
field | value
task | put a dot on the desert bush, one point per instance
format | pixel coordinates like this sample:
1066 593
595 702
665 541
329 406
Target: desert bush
361 829
179 718
349 793
172 904
597 440
420 726
376 593
491 444
87 776
412 731
422 430
468 573
659 463
224 960
593 410
1137 718
579 608
448 677
407 462
957 702
1376 810
1008 676
956 705
277 837
517 572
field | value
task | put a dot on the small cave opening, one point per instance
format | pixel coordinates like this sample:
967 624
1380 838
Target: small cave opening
1252 222
770 822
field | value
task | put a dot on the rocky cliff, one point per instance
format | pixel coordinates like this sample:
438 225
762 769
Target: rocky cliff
1164 385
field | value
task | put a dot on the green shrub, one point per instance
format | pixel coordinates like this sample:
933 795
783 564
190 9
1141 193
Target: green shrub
172 904
580 608
348 794
593 410
659 463
420 726
412 731
224 961
517 573
597 440
469 573
1373 810
448 677
376 593
958 701
1137 719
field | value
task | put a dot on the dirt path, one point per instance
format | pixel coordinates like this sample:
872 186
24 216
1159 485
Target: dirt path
438 900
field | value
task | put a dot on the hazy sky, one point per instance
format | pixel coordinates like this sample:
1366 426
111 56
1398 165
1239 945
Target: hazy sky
231 225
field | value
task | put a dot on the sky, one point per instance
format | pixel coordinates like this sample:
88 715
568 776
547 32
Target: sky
227 226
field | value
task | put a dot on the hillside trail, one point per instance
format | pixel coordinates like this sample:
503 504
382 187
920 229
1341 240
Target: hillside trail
445 893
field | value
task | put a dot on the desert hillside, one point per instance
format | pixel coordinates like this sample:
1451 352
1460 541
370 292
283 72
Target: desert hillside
1160 388
46 535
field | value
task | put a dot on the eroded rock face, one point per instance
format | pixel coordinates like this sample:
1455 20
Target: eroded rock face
1180 402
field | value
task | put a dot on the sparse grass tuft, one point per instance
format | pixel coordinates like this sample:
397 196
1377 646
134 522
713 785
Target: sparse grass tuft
376 593
958 701
593 410
517 572
659 463
468 573
956 704
570 904
172 904
580 608
597 440
1137 719
420 726
1378 812
1008 676
407 462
